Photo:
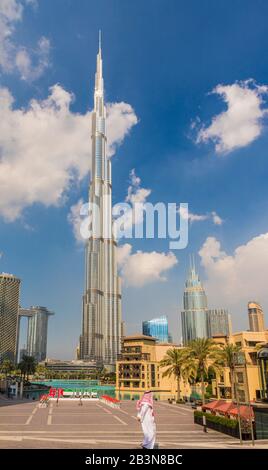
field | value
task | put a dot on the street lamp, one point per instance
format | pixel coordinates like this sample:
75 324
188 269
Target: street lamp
240 361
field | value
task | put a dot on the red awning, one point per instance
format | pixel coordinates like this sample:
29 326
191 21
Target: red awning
245 412
212 405
225 407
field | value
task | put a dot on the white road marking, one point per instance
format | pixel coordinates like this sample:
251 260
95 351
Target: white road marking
104 409
49 418
120 420
31 416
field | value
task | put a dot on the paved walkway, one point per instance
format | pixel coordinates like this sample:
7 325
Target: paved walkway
95 425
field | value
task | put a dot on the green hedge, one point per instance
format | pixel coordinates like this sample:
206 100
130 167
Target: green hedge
229 423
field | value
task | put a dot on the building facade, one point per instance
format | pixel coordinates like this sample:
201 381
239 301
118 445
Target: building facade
255 317
72 367
219 322
138 369
9 311
100 340
36 331
194 314
158 328
247 372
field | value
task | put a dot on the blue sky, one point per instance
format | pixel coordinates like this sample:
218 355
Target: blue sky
163 59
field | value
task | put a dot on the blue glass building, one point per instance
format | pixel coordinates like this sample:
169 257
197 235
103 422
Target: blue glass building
195 308
158 328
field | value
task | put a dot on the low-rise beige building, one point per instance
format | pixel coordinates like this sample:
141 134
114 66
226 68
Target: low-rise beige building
247 373
138 369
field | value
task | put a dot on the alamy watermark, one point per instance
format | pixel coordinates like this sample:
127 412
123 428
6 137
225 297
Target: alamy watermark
136 220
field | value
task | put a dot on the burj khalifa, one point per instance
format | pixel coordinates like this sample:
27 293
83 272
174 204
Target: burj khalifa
100 340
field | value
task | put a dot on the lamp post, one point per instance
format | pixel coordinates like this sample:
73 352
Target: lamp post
250 410
238 410
240 360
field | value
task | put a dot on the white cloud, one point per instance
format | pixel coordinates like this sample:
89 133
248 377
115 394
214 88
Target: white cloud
123 253
135 194
121 120
143 268
233 280
29 63
32 66
216 219
46 148
74 218
242 122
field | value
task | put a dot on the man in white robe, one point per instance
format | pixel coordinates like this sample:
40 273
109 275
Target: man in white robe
146 417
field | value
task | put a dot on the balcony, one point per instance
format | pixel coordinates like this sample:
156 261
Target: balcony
134 357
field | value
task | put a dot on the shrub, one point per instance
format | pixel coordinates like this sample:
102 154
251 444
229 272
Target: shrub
229 423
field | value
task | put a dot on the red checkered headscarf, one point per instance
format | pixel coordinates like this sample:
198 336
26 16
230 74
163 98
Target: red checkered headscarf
147 398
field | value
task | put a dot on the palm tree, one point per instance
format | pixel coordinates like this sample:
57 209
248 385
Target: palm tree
204 354
6 367
228 356
27 366
40 370
177 363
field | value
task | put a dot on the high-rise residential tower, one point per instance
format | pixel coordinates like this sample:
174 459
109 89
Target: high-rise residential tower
37 331
101 324
255 316
194 314
9 311
219 322
158 328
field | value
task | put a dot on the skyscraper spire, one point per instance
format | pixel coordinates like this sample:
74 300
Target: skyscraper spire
99 41
101 328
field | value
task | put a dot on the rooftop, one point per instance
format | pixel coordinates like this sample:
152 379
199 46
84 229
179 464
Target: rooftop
139 337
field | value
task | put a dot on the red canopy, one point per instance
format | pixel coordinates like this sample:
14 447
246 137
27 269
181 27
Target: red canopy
212 405
225 407
245 412
229 408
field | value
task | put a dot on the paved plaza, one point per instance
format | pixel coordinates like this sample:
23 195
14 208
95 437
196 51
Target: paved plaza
95 425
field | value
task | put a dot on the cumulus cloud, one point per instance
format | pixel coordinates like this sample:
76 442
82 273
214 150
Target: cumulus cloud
141 268
135 192
234 279
135 195
242 122
216 219
74 218
30 64
45 148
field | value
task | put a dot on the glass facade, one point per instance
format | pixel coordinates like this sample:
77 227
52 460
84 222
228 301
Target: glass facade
158 328
101 326
218 322
37 331
9 310
194 314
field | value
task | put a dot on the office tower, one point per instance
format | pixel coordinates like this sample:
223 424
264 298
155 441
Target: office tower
255 316
23 352
170 338
218 322
158 328
194 314
37 331
9 310
101 324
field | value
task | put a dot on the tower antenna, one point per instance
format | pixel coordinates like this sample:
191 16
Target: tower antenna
99 40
